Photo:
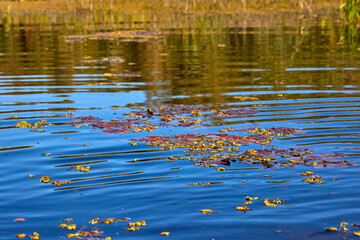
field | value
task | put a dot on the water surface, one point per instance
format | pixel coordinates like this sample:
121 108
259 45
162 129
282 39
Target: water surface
306 79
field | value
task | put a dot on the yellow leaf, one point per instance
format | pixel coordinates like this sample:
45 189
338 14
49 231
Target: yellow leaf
108 221
243 208
132 229
205 211
21 235
45 179
95 220
140 223
83 169
331 229
165 234
35 236
343 224
71 226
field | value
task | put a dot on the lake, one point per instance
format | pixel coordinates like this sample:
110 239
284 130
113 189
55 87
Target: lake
248 132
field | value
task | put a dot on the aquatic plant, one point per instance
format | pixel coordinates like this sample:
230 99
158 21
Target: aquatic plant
25 124
109 60
351 11
123 36
188 6
149 119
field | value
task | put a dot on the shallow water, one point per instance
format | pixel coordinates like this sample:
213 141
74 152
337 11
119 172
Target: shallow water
303 78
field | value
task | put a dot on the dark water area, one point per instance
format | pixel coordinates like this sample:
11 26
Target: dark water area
303 78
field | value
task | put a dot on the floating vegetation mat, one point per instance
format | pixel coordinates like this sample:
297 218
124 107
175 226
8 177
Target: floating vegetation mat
218 150
152 118
109 60
123 36
215 149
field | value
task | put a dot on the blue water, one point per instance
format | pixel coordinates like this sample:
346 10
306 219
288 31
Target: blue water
308 81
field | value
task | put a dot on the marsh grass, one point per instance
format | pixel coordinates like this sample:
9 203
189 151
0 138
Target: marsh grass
160 6
351 11
157 12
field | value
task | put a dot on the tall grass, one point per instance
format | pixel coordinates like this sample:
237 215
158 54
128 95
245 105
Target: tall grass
351 10
155 11
187 6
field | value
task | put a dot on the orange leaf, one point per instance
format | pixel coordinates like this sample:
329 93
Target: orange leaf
19 220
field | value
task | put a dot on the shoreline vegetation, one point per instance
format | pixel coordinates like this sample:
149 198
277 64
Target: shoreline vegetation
167 11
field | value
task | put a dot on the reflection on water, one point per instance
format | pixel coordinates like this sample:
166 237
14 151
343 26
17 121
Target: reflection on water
297 77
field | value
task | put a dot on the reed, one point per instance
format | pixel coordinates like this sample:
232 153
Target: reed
351 11
156 6
156 11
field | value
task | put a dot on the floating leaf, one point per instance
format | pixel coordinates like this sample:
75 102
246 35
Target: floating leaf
21 235
343 224
247 198
132 229
206 211
59 183
35 236
109 74
273 202
139 223
95 220
165 234
83 169
314 179
243 208
71 226
245 98
19 220
331 229
45 179
108 221
25 124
